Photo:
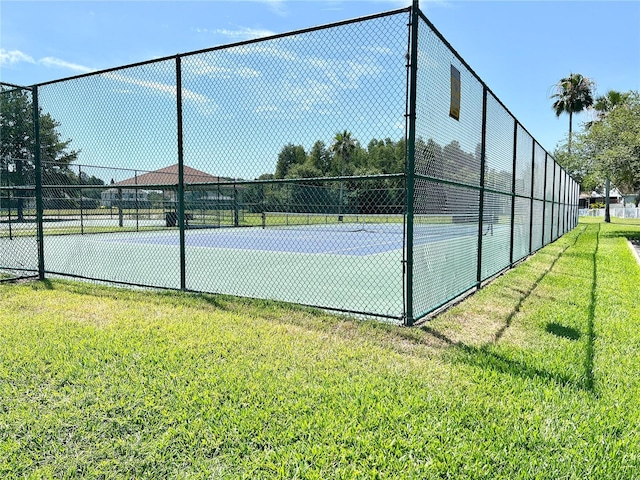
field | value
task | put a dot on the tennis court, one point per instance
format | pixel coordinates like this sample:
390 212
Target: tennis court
354 266
387 195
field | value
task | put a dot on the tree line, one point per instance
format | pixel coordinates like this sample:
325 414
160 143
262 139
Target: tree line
326 183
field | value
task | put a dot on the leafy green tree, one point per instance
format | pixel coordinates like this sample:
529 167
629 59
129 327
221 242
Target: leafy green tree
320 157
386 155
459 165
305 170
581 168
573 95
613 145
289 156
17 145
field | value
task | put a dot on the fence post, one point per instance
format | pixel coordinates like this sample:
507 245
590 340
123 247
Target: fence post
38 173
553 197
181 223
410 162
544 197
483 149
556 199
513 189
533 180
81 205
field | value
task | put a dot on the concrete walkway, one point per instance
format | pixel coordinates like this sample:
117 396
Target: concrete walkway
634 244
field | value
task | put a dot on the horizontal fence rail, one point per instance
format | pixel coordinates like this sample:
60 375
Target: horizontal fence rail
383 180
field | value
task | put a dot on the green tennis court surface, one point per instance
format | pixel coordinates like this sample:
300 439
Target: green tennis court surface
351 264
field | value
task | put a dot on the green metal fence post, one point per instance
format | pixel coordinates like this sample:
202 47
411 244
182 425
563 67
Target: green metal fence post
533 180
410 162
553 196
483 149
181 222
38 173
544 203
81 205
513 189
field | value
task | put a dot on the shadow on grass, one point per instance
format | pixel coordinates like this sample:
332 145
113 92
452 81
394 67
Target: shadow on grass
588 362
525 295
485 357
46 284
562 331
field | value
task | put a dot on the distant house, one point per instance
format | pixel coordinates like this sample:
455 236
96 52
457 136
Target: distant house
165 181
124 196
588 199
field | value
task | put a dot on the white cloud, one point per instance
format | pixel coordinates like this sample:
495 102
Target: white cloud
266 108
310 94
241 33
214 71
255 48
345 75
276 6
56 62
10 57
204 104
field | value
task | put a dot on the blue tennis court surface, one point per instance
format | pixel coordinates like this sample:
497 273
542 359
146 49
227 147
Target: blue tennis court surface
320 240
349 267
357 243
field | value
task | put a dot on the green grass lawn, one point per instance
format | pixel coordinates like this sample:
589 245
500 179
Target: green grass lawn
535 376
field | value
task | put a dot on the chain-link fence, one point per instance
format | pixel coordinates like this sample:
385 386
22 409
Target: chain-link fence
383 179
18 213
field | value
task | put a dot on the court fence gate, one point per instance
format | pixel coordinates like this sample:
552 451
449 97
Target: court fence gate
359 167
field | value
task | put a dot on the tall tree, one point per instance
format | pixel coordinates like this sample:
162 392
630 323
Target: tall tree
573 94
343 147
613 144
604 104
289 156
320 157
17 144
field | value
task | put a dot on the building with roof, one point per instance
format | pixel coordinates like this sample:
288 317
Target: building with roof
136 190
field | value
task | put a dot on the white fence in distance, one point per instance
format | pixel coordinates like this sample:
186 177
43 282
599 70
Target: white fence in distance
619 212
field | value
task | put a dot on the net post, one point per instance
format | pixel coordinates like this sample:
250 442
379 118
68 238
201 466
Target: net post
37 160
410 179
181 223
483 149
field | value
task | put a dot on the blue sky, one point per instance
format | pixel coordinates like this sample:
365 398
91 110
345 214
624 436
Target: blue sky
519 48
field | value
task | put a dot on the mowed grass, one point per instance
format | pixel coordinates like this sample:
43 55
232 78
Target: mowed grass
535 376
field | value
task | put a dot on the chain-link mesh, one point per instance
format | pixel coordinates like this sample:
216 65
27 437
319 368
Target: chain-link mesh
498 184
477 170
279 169
18 227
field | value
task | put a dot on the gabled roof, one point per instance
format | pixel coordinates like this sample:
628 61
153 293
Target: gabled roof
169 176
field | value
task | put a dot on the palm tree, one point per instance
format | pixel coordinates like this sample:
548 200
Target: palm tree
604 104
573 95
343 146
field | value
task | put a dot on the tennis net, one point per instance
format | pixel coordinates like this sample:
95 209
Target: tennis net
349 222
356 222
